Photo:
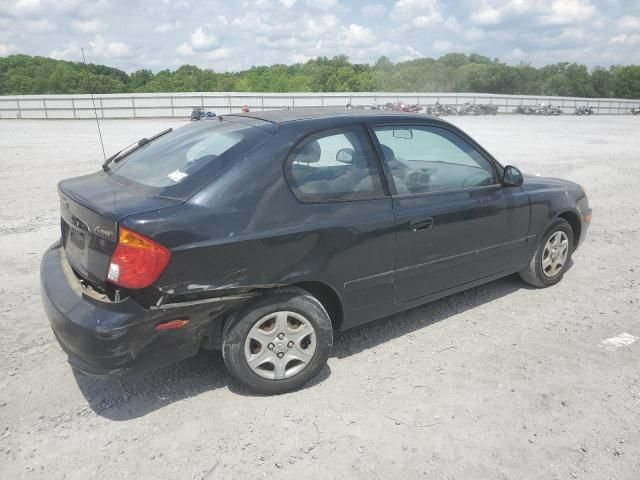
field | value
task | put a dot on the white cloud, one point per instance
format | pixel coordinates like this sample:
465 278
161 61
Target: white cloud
6 49
442 46
569 11
32 7
167 27
202 40
516 54
185 49
373 10
89 26
546 12
411 54
629 23
40 26
102 48
494 12
452 24
286 43
420 13
71 51
27 5
298 58
473 34
356 35
235 35
319 26
219 54
260 4
324 5
626 39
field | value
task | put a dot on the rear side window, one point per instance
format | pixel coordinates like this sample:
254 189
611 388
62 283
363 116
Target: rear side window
335 165
177 163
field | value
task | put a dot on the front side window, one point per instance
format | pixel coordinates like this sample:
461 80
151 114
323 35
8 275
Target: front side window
431 159
335 165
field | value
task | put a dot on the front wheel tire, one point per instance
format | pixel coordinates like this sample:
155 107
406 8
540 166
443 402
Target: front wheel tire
552 256
278 342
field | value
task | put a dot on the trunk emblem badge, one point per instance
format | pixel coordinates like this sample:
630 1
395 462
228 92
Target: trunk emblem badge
103 232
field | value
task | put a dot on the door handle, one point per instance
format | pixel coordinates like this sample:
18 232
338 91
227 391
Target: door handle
425 224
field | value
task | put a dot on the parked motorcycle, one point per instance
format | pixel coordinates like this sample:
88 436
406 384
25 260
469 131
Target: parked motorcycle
524 110
373 106
477 109
584 110
200 114
403 107
540 109
440 110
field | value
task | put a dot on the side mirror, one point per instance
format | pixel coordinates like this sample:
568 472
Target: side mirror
511 176
345 155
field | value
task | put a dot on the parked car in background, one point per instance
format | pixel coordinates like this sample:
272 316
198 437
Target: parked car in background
261 233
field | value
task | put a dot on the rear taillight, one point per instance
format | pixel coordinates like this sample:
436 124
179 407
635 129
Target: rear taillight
137 261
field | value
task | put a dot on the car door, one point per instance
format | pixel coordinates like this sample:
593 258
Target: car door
455 222
336 176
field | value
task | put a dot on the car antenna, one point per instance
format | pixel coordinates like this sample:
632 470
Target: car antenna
95 111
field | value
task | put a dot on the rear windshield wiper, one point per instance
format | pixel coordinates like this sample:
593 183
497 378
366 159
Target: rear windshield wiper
116 157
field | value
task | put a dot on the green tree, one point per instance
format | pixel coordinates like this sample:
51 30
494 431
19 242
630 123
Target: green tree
453 72
602 81
626 81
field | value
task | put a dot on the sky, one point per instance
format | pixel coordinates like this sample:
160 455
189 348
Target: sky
235 35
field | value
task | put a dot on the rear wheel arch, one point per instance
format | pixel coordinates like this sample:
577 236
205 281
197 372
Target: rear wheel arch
325 294
329 299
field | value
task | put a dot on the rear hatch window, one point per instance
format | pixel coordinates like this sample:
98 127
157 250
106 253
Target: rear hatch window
175 165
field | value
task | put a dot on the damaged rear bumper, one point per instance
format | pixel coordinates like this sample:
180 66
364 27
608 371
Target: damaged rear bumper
102 337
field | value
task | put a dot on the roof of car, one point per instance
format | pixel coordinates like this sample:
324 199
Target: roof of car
292 115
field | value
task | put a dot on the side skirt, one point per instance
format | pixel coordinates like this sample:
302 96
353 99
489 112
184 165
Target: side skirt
401 307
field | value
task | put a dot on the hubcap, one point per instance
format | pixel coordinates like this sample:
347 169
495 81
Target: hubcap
280 345
555 253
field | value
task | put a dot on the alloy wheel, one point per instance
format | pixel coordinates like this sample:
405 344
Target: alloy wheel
280 345
555 254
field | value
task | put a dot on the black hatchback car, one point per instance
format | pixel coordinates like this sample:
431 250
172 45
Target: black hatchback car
261 233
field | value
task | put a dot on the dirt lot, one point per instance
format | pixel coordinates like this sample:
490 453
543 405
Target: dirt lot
500 382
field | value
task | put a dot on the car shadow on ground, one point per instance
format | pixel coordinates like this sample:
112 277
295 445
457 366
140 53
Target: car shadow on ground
137 395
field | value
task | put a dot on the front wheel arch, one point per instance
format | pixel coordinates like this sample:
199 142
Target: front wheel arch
573 219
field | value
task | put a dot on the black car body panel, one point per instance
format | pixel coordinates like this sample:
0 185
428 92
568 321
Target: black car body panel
103 337
90 209
244 231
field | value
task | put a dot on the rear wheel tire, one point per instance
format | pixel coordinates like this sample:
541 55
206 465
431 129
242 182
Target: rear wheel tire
552 256
278 342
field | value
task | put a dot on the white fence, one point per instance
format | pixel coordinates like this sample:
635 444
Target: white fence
179 105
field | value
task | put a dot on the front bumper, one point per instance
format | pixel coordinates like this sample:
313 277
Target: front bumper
102 337
585 213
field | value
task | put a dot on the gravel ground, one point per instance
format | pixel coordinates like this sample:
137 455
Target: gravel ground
499 382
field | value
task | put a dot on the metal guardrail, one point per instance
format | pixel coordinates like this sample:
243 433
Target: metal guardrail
179 105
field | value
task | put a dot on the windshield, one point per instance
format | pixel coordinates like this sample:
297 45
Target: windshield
178 162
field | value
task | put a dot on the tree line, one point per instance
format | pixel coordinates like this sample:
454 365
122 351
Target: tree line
454 72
